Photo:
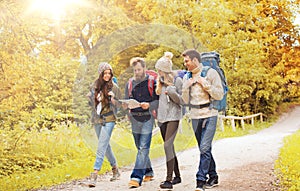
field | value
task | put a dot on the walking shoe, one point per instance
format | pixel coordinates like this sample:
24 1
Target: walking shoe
176 180
148 178
133 184
166 185
200 185
116 174
92 180
212 182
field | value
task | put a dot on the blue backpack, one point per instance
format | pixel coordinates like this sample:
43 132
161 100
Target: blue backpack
212 60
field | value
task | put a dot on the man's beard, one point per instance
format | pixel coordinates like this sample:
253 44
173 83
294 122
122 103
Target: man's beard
140 77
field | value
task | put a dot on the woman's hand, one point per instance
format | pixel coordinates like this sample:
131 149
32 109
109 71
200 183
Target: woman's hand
111 94
111 97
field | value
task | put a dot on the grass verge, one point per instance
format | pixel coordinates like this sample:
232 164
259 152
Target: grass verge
287 166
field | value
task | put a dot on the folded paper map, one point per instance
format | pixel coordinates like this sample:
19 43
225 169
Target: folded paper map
132 103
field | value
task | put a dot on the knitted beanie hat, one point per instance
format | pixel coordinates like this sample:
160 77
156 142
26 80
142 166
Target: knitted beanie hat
165 63
104 66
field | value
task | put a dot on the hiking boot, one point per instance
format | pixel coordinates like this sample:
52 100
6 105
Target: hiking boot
166 185
200 185
116 174
176 180
212 182
92 180
148 178
133 184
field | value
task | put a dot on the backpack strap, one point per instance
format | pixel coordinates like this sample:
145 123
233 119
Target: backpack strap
204 71
130 87
151 84
151 80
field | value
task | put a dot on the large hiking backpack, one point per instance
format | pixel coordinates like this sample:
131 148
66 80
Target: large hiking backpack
212 60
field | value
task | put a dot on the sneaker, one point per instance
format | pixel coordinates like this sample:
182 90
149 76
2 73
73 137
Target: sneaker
166 185
116 174
92 180
148 178
133 184
212 182
200 185
176 180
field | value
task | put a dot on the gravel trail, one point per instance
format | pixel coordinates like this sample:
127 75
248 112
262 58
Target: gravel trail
243 163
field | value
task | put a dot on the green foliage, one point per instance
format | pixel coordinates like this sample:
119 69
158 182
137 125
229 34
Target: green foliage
244 43
43 85
31 159
287 165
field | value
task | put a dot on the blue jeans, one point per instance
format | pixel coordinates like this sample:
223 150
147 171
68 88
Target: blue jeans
142 134
204 130
104 133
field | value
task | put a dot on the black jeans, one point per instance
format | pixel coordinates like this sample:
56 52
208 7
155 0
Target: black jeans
168 132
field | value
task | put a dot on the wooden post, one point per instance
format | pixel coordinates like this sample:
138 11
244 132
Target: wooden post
233 124
261 117
243 124
221 123
232 118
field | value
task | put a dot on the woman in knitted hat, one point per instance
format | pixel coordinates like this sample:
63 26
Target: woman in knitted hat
106 93
169 113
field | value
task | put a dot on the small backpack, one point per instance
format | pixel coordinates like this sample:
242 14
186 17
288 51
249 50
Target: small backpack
180 74
212 60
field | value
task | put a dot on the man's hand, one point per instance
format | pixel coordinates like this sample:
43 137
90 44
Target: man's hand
124 106
187 83
203 82
145 105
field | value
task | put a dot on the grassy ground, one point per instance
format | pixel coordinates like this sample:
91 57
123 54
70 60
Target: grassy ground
288 164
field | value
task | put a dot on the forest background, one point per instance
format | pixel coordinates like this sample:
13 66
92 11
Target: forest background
49 55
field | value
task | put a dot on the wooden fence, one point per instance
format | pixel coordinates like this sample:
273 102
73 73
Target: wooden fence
221 120
232 119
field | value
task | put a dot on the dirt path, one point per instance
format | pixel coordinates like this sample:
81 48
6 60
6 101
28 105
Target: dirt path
243 163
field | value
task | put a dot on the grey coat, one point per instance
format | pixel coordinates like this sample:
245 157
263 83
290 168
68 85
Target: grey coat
169 108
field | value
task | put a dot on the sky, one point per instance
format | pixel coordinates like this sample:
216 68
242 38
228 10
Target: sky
297 20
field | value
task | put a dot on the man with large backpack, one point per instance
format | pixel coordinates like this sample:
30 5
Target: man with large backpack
141 88
198 92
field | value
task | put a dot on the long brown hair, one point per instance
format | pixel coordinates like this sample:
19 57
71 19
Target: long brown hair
104 87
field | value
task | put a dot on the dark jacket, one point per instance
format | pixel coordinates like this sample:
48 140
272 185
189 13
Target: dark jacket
140 92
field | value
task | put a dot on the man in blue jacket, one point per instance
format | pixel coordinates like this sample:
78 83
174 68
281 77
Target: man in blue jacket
141 88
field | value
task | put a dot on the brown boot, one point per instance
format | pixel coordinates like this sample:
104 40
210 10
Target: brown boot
116 174
93 179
